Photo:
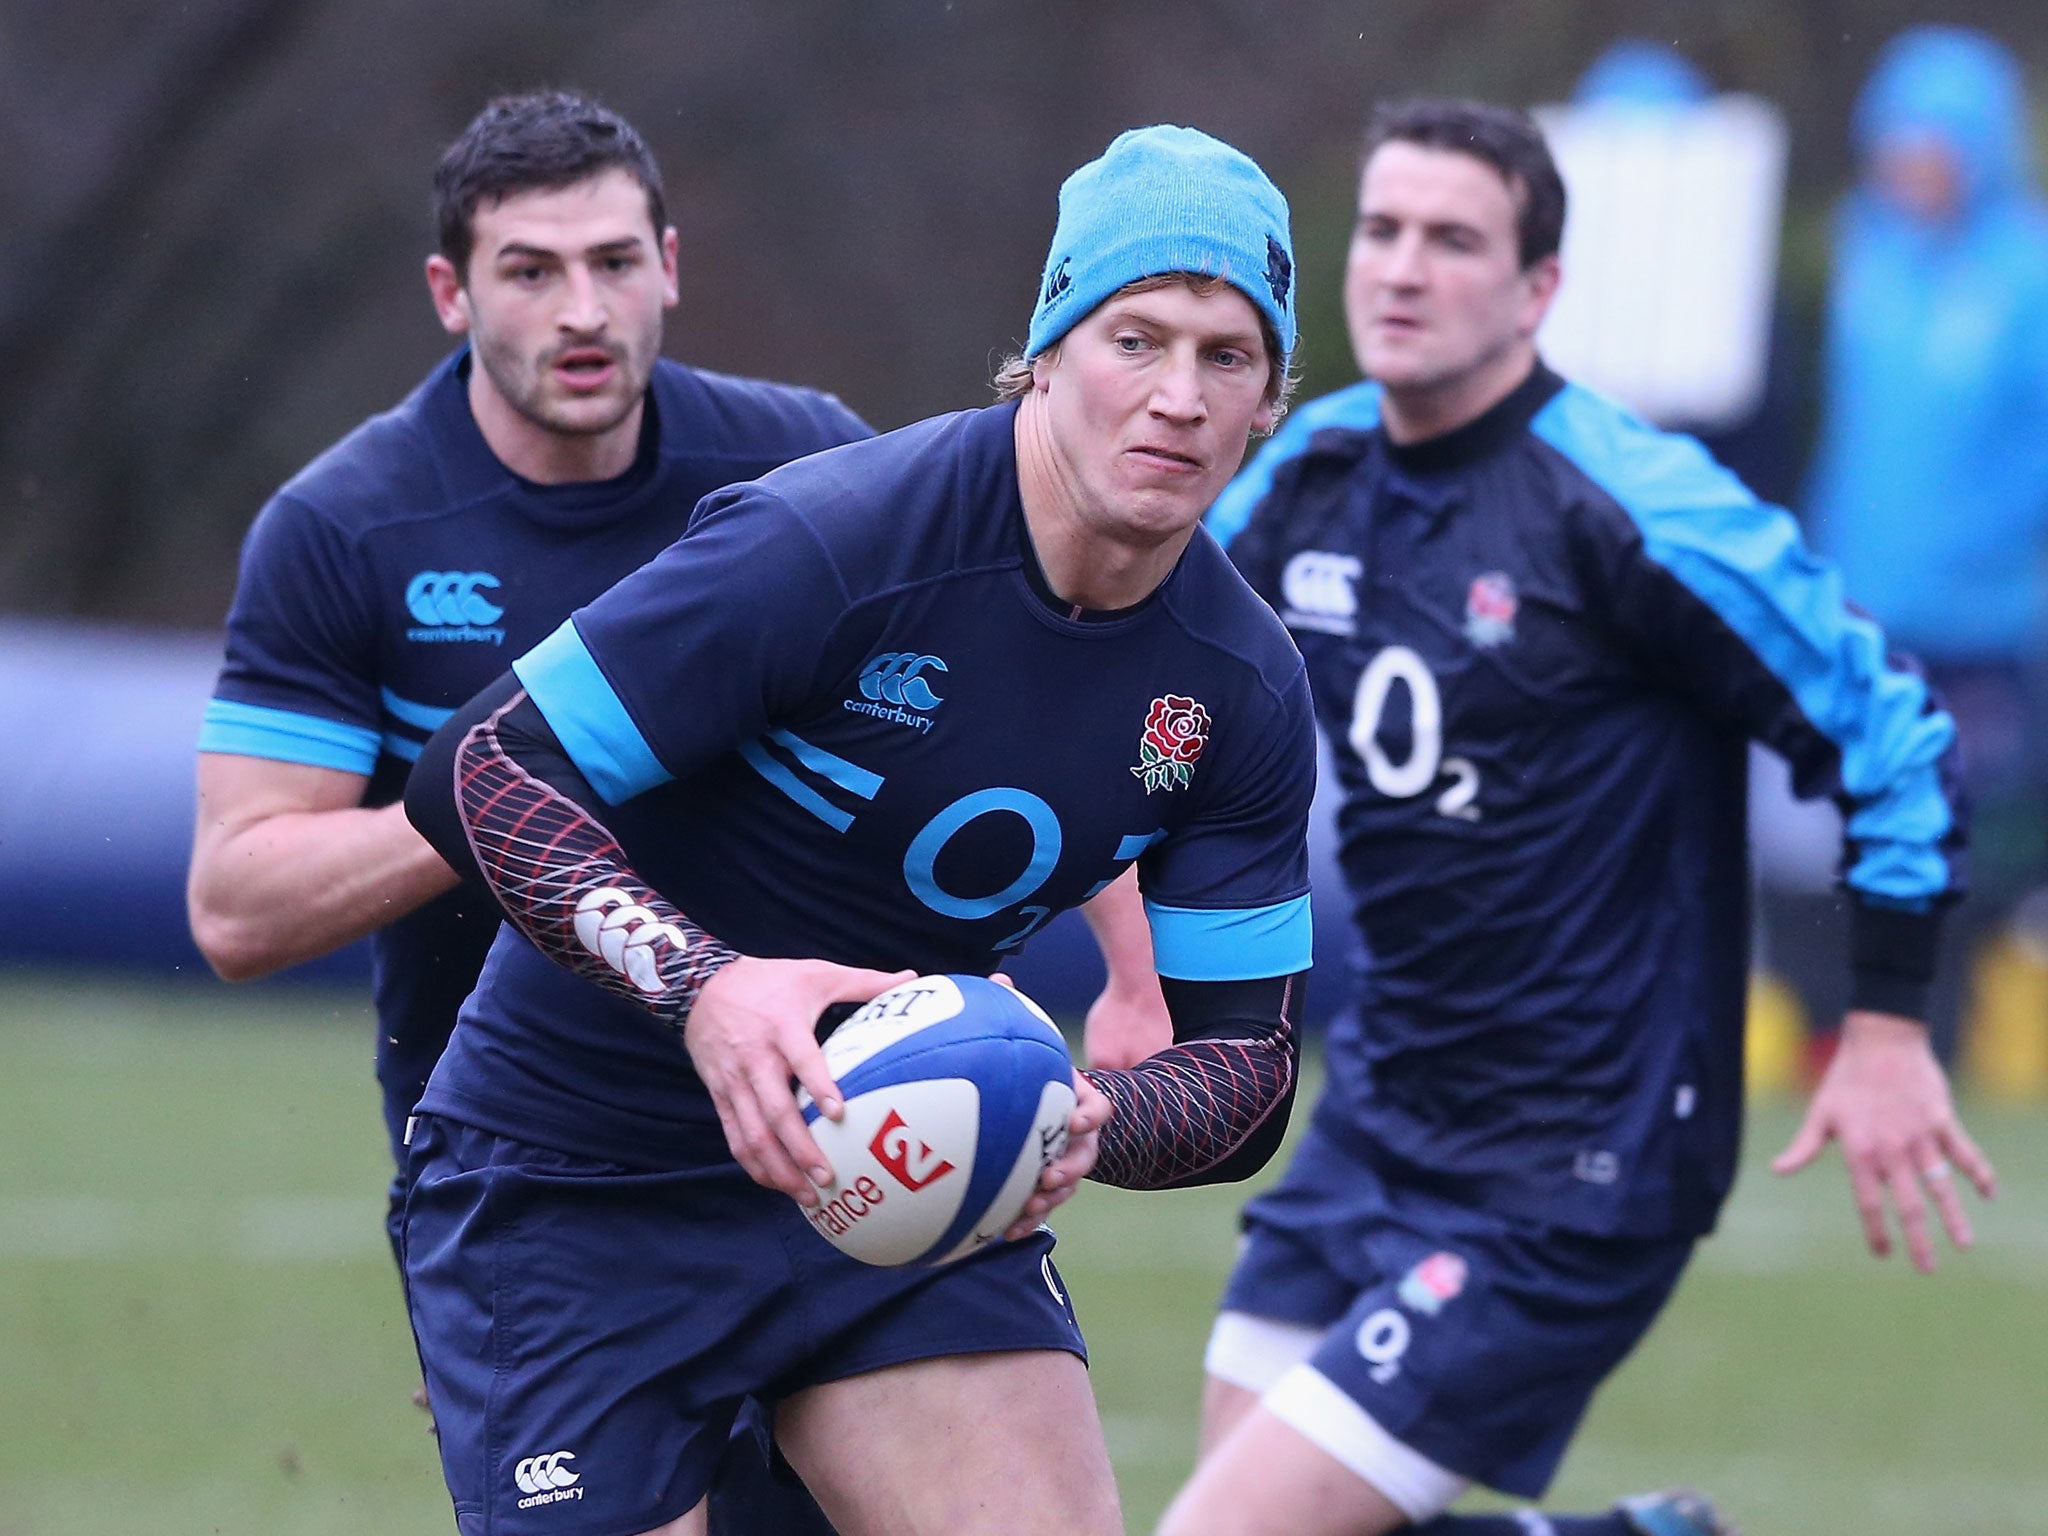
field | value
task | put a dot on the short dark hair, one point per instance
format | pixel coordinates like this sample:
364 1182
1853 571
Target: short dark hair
540 141
1503 138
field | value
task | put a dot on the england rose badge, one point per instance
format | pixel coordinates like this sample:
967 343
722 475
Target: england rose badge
1176 730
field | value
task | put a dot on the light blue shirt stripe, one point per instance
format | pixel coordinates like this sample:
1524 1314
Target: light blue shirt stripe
285 736
426 717
1245 944
1743 558
850 777
1357 407
404 748
783 778
565 681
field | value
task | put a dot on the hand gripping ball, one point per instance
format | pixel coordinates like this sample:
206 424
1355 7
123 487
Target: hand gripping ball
958 1094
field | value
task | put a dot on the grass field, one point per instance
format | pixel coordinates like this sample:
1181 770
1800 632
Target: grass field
200 1331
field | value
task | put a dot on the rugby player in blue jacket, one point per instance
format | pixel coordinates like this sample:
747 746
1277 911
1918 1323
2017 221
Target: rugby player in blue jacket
1540 635
394 576
602 1253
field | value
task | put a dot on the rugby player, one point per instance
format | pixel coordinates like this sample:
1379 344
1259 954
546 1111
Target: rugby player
602 1251
391 579
1540 635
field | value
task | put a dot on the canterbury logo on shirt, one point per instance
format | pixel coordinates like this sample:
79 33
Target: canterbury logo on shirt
893 685
1317 589
451 606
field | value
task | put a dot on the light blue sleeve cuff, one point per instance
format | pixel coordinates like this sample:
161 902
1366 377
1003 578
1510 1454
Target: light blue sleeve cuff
1242 944
564 679
285 736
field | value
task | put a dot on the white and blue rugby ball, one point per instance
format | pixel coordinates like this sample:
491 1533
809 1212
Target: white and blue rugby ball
958 1094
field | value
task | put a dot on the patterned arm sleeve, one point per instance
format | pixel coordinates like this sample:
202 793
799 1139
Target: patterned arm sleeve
497 795
1212 1107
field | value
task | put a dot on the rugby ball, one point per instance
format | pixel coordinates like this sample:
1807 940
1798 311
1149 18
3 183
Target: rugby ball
958 1093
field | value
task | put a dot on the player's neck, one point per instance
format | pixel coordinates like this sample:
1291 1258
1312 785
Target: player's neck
547 457
1090 562
1412 414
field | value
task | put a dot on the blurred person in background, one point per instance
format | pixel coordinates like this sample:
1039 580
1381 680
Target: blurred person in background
1930 480
554 452
1540 635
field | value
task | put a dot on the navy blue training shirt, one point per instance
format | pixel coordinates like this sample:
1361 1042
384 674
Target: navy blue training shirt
1539 646
400 572
843 719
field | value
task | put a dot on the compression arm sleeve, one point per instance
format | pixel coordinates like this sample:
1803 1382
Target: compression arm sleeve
1212 1107
498 797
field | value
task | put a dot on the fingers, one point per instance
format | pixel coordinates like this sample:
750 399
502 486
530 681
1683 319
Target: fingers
785 1122
1866 1184
756 1146
1914 1178
1063 1175
1092 1107
1903 1179
1974 1163
1804 1146
1941 1191
805 1060
851 984
1057 1184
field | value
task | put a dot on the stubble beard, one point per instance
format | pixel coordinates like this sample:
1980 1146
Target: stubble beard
523 385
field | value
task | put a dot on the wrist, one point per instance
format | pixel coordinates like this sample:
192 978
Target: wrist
1874 1026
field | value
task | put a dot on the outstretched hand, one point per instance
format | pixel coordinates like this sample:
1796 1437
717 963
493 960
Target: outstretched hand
750 1031
1886 1100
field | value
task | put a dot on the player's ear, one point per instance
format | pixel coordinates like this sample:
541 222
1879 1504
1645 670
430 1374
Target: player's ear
1540 282
451 301
671 289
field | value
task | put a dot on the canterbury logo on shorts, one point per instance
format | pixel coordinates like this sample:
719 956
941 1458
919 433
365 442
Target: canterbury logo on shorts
547 1479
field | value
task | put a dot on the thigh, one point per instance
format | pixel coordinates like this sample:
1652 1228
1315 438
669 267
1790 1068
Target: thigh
1481 1348
1265 1478
958 1445
1246 1355
584 1352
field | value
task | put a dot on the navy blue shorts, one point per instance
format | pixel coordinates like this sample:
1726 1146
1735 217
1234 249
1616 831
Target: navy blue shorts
1473 1339
590 1330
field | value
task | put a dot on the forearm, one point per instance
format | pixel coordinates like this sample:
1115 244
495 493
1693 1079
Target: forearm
1117 919
1210 1109
269 893
508 802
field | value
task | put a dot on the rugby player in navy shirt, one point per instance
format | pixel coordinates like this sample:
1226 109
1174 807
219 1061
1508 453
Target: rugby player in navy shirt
1540 635
602 1250
396 574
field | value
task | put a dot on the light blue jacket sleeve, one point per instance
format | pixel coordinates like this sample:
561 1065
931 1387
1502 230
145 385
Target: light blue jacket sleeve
1718 587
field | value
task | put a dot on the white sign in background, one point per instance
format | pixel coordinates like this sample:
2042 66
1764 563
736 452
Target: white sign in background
1670 253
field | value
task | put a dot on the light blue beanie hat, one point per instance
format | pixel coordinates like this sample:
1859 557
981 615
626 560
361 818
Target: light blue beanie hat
1161 200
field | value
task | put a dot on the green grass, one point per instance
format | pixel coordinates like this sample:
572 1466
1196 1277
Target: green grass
200 1331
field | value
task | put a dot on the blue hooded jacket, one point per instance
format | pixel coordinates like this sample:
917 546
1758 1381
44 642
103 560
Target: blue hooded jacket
1930 482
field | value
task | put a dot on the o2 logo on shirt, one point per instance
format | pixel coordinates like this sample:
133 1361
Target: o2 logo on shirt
1407 777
